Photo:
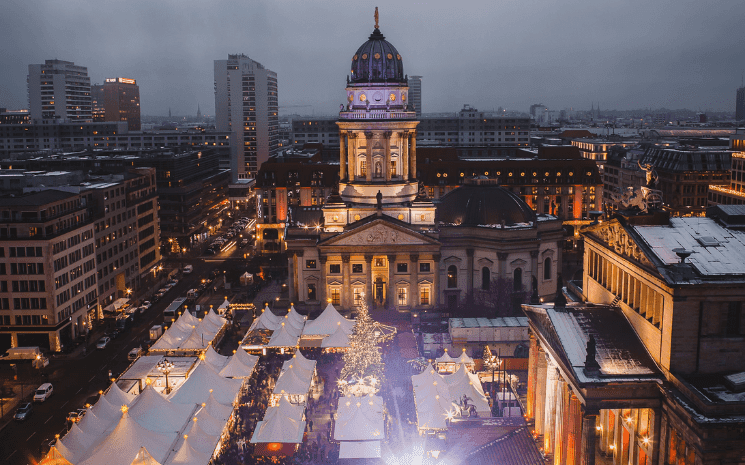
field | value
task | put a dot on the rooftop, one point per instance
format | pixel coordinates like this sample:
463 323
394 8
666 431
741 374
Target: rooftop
37 199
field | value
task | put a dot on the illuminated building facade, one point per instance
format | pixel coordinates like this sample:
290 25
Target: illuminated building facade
734 192
118 99
47 270
246 105
59 91
381 238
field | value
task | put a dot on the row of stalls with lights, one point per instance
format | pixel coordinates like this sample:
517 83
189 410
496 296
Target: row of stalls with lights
189 335
184 421
281 430
329 331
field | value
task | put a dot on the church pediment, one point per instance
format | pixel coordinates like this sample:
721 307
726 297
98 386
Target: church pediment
379 232
615 237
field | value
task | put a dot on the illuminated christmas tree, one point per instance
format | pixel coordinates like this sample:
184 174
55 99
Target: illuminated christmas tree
363 365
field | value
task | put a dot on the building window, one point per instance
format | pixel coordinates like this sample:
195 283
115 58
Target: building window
357 296
402 296
517 280
336 296
424 296
402 267
424 267
379 262
310 264
733 319
363 168
452 276
547 268
485 278
334 268
356 267
311 292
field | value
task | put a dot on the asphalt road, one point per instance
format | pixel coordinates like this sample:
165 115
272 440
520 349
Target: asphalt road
78 379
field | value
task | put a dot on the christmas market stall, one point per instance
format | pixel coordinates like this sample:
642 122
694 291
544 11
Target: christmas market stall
359 427
280 433
325 325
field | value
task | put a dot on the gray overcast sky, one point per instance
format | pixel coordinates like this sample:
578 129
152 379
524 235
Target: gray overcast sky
624 54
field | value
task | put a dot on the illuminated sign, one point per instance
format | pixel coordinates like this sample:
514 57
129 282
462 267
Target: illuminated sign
121 80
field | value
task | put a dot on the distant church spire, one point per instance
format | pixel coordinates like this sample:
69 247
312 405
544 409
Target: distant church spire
169 112
199 111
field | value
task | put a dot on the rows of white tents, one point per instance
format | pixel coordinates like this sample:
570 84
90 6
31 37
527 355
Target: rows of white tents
183 427
284 419
359 427
329 330
190 334
439 397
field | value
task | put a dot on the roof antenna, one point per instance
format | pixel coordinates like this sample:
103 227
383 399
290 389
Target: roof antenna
376 17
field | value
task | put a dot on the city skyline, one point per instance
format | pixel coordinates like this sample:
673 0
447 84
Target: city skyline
620 55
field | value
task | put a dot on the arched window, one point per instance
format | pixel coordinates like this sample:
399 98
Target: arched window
517 279
452 276
485 278
547 268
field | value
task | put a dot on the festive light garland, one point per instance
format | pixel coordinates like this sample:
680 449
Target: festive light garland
363 364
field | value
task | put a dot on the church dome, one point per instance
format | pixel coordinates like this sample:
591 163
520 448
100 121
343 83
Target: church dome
483 204
377 61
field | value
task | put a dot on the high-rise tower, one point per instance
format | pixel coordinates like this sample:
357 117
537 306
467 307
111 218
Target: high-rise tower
740 104
59 91
415 94
246 104
118 99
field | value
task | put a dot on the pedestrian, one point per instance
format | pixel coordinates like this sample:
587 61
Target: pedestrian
310 425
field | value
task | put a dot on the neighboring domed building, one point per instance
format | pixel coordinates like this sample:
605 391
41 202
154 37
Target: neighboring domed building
383 240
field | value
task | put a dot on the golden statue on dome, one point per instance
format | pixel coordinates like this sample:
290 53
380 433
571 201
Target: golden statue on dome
376 17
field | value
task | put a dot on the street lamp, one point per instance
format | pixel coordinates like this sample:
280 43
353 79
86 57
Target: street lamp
165 366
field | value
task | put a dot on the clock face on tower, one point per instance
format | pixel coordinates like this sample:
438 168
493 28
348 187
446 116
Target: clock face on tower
392 97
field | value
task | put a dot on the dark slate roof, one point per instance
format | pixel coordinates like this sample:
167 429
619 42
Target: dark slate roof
37 199
675 160
485 204
514 448
377 61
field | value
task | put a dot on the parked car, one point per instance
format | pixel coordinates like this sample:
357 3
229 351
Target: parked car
76 416
43 392
134 353
188 269
102 343
173 281
24 411
146 304
113 334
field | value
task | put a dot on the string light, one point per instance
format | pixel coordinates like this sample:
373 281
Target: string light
362 362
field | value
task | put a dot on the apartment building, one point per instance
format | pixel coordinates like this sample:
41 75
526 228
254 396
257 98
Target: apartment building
59 90
48 293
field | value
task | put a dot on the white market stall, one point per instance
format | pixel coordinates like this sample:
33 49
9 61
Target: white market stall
359 426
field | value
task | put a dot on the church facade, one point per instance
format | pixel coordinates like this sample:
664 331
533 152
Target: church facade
380 239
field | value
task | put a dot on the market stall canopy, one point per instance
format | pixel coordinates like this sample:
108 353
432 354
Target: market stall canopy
196 388
303 363
236 368
282 424
216 360
93 426
211 425
118 397
77 443
143 457
156 413
327 323
116 305
293 381
266 320
200 440
462 383
121 446
218 410
359 419
464 358
445 358
339 339
359 450
187 455
54 457
284 336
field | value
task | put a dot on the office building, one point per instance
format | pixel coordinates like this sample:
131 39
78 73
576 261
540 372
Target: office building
740 105
415 94
246 105
734 192
48 270
118 99
59 91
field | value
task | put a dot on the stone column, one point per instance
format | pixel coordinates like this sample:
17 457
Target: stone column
404 151
548 433
412 155
540 391
532 377
368 286
559 259
342 156
502 257
387 168
346 298
657 439
414 273
351 158
469 275
588 438
391 292
322 294
368 155
436 284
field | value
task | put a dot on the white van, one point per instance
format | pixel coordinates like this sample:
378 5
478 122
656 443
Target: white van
134 353
192 294
43 392
22 353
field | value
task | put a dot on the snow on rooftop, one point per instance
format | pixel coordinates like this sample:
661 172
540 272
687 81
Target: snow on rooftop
717 251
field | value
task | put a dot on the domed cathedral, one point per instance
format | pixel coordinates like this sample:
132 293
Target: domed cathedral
381 240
